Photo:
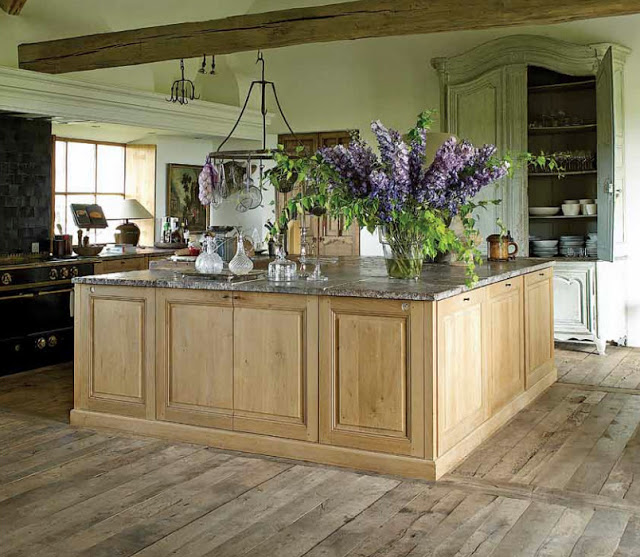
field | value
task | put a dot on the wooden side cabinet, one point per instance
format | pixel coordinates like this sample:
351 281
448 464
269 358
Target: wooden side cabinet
462 366
538 307
505 342
275 365
194 359
115 354
372 375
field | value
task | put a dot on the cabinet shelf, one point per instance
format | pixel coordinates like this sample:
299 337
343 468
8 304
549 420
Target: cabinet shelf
532 217
562 174
575 85
544 130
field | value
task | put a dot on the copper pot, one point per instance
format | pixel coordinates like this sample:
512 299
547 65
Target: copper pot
498 248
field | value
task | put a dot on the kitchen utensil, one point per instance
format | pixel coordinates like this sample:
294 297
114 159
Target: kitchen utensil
498 248
543 211
570 209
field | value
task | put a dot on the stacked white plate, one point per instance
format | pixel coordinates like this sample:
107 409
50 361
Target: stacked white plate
544 248
592 245
571 245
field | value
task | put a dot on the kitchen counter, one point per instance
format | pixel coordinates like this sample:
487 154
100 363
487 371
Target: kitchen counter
360 277
399 377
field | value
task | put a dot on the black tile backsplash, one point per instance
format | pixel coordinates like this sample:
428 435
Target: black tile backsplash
25 183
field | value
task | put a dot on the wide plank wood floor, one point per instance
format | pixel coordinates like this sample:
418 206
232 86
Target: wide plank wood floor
561 478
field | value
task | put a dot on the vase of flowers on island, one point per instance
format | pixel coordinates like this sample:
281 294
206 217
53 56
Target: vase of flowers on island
409 199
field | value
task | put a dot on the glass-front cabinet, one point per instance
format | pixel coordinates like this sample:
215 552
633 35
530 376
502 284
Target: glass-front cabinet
541 95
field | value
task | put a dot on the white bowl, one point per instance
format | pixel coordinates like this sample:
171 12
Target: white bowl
570 209
590 209
543 211
586 202
571 202
545 243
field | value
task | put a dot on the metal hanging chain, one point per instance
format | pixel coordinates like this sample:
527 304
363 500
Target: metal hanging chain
262 83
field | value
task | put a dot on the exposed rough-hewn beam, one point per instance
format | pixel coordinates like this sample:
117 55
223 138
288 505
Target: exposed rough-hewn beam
12 7
335 22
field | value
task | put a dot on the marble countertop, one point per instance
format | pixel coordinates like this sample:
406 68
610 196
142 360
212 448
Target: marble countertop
361 277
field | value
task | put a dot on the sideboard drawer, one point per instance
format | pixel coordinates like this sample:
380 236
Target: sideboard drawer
123 265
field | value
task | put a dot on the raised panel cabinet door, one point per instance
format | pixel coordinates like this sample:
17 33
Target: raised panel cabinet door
372 375
195 357
538 310
462 399
506 342
115 357
275 365
574 289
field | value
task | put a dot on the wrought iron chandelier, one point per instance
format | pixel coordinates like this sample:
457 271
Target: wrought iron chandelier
183 90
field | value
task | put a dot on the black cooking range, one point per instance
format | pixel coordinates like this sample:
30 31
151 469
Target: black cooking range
36 311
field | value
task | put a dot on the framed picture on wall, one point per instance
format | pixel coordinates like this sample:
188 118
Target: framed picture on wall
182 196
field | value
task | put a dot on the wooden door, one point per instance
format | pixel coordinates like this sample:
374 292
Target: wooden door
462 366
491 109
275 365
506 342
195 357
372 375
538 310
333 239
115 350
610 171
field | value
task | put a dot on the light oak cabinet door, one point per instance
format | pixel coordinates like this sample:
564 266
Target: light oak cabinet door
372 375
114 356
505 342
538 307
462 399
275 365
195 357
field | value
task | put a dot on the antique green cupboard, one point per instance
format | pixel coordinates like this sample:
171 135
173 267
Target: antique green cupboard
533 93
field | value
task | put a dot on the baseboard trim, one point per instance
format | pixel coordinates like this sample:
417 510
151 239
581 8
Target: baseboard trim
262 444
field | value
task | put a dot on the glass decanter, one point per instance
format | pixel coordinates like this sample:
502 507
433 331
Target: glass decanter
304 252
209 262
281 269
241 264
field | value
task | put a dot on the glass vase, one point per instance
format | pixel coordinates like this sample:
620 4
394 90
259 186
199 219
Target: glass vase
241 264
403 254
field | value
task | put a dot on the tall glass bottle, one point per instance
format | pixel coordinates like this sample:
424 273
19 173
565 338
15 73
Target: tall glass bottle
241 264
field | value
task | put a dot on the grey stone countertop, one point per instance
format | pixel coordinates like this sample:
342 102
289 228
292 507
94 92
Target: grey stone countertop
361 277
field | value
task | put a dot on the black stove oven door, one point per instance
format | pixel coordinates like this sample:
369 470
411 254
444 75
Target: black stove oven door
36 328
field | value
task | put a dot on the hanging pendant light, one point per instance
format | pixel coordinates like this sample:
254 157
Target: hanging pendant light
183 90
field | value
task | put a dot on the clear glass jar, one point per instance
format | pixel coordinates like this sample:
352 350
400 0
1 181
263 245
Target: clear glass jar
282 269
241 263
403 256
209 262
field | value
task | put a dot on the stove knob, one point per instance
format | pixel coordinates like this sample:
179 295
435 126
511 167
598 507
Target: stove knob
41 343
52 341
17 347
64 273
53 274
74 271
6 279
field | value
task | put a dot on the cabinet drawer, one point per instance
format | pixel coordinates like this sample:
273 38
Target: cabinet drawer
538 276
503 287
123 265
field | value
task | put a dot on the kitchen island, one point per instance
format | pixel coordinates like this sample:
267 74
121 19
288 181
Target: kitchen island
401 377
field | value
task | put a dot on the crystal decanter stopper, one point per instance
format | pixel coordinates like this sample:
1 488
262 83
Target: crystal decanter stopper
241 264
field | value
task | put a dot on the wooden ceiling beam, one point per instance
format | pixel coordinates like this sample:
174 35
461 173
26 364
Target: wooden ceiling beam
12 7
335 22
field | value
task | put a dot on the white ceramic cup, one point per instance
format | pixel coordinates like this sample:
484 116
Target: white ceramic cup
590 209
570 209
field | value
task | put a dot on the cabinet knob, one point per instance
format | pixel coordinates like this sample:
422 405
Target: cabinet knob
405 307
